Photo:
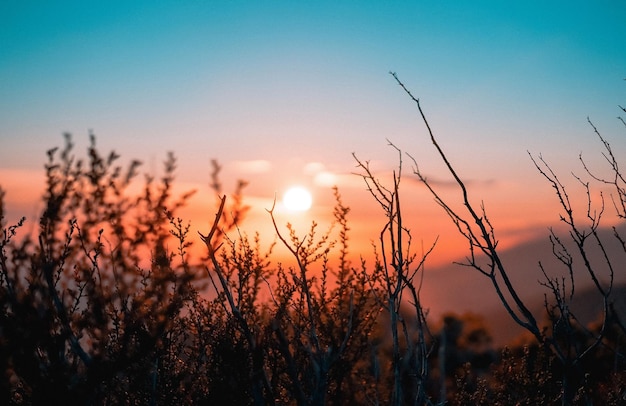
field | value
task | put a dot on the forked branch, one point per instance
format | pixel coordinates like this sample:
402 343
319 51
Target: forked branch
478 235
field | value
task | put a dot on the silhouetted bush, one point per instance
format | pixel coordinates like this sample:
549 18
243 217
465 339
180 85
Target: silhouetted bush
101 304
96 309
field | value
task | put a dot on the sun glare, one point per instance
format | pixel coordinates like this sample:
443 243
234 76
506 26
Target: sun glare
297 198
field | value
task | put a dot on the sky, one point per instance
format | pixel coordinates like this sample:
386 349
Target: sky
283 93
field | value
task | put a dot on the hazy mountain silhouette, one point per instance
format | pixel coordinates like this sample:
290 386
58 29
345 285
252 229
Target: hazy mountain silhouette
456 288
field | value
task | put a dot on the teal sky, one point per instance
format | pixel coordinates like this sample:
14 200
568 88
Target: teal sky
308 82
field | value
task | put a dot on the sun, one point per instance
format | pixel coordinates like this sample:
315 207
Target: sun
297 198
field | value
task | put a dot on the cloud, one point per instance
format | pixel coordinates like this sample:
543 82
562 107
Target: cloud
313 168
253 166
434 181
344 180
451 183
386 175
325 179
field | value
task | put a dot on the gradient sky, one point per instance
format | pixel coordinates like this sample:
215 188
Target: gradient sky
284 92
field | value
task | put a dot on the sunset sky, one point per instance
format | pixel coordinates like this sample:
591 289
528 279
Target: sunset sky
283 93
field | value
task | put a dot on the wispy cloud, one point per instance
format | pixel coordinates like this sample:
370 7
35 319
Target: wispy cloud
324 177
435 181
313 168
252 166
451 183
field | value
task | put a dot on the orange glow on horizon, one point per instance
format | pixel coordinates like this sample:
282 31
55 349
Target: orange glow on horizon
514 222
517 215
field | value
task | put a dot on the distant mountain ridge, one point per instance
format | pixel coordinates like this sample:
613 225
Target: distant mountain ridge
587 306
459 289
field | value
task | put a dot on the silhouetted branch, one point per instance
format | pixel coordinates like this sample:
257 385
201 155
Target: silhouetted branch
483 237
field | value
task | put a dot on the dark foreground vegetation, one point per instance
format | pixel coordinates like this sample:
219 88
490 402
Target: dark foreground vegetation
102 305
